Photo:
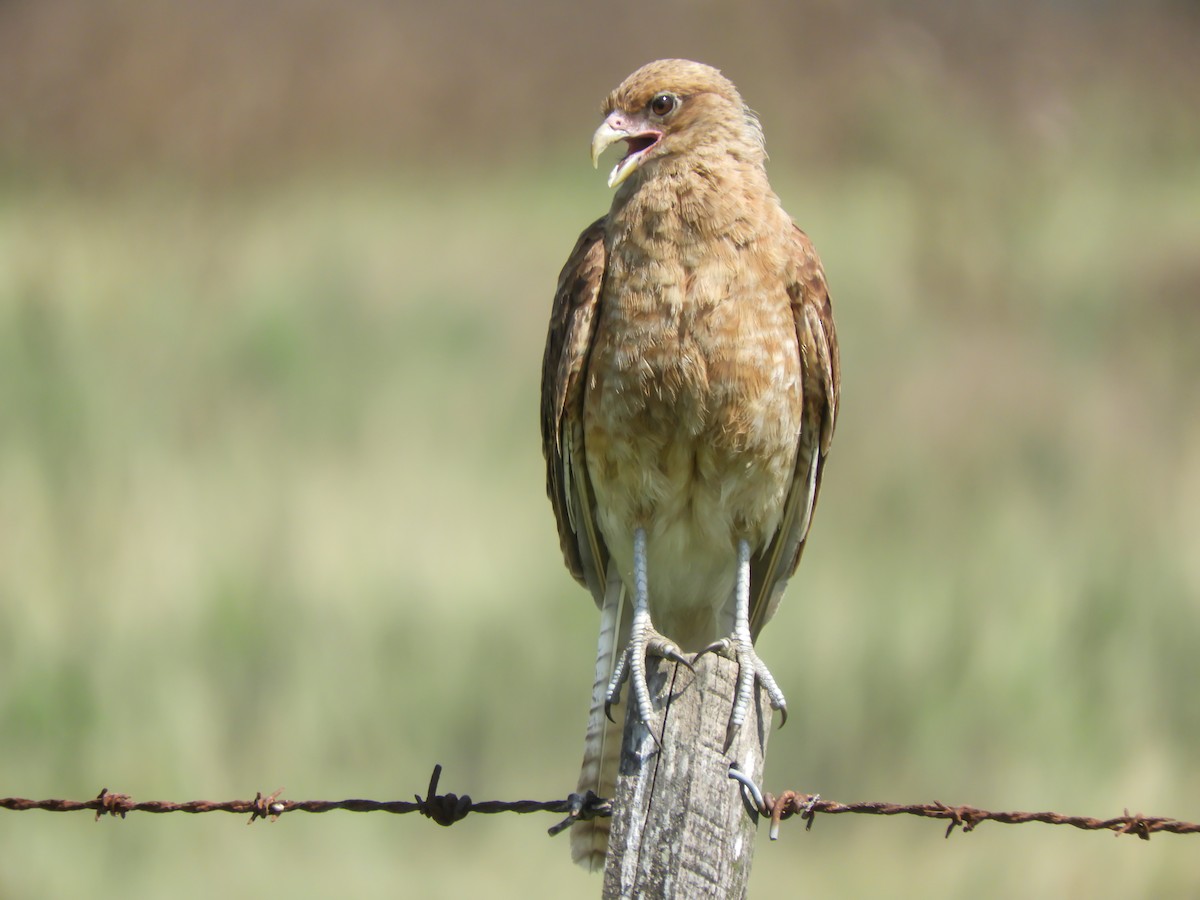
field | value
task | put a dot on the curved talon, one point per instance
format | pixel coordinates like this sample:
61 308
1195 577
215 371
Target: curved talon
715 647
665 649
613 695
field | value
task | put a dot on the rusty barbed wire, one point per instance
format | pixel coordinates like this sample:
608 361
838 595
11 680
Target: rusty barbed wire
967 818
446 809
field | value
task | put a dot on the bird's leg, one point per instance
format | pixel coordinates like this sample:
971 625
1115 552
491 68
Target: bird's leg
750 666
643 640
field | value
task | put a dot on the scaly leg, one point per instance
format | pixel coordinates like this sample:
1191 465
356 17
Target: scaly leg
750 666
643 641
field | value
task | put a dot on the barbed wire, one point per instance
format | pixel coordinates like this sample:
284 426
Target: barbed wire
792 803
446 809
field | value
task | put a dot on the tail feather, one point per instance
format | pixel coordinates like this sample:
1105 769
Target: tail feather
602 745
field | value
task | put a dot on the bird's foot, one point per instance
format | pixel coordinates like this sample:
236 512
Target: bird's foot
644 641
751 669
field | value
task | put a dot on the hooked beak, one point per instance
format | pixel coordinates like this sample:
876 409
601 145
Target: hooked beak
640 139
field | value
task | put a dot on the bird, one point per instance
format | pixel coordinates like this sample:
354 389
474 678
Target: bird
690 389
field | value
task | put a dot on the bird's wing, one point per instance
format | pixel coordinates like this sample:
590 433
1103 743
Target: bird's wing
564 374
564 368
820 388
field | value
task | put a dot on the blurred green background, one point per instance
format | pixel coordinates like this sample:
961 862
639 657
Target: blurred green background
274 279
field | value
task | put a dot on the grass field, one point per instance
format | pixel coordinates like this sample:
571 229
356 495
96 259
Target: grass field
272 514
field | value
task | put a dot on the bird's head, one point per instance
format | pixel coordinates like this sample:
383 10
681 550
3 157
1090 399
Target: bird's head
672 107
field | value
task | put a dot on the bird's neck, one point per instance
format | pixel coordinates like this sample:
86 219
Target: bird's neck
696 199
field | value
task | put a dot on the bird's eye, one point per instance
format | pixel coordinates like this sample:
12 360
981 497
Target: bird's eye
663 104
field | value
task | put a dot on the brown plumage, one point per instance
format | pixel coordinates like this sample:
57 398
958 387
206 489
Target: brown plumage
689 393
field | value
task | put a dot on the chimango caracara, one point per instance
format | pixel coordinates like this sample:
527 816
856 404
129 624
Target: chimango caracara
689 392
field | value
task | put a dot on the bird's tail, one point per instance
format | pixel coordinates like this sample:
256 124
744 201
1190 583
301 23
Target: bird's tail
602 746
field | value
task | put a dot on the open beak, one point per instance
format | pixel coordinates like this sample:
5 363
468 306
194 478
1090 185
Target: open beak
639 138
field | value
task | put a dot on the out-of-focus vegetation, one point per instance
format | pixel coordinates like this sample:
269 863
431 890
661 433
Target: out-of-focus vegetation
273 284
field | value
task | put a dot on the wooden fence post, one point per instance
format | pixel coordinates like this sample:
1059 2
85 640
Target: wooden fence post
680 827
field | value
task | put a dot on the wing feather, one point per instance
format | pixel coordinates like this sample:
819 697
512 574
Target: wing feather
564 370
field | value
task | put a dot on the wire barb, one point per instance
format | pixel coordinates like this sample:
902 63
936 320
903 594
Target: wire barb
581 808
112 804
266 807
445 809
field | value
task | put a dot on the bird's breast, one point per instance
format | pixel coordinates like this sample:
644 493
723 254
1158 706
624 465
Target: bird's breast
691 414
